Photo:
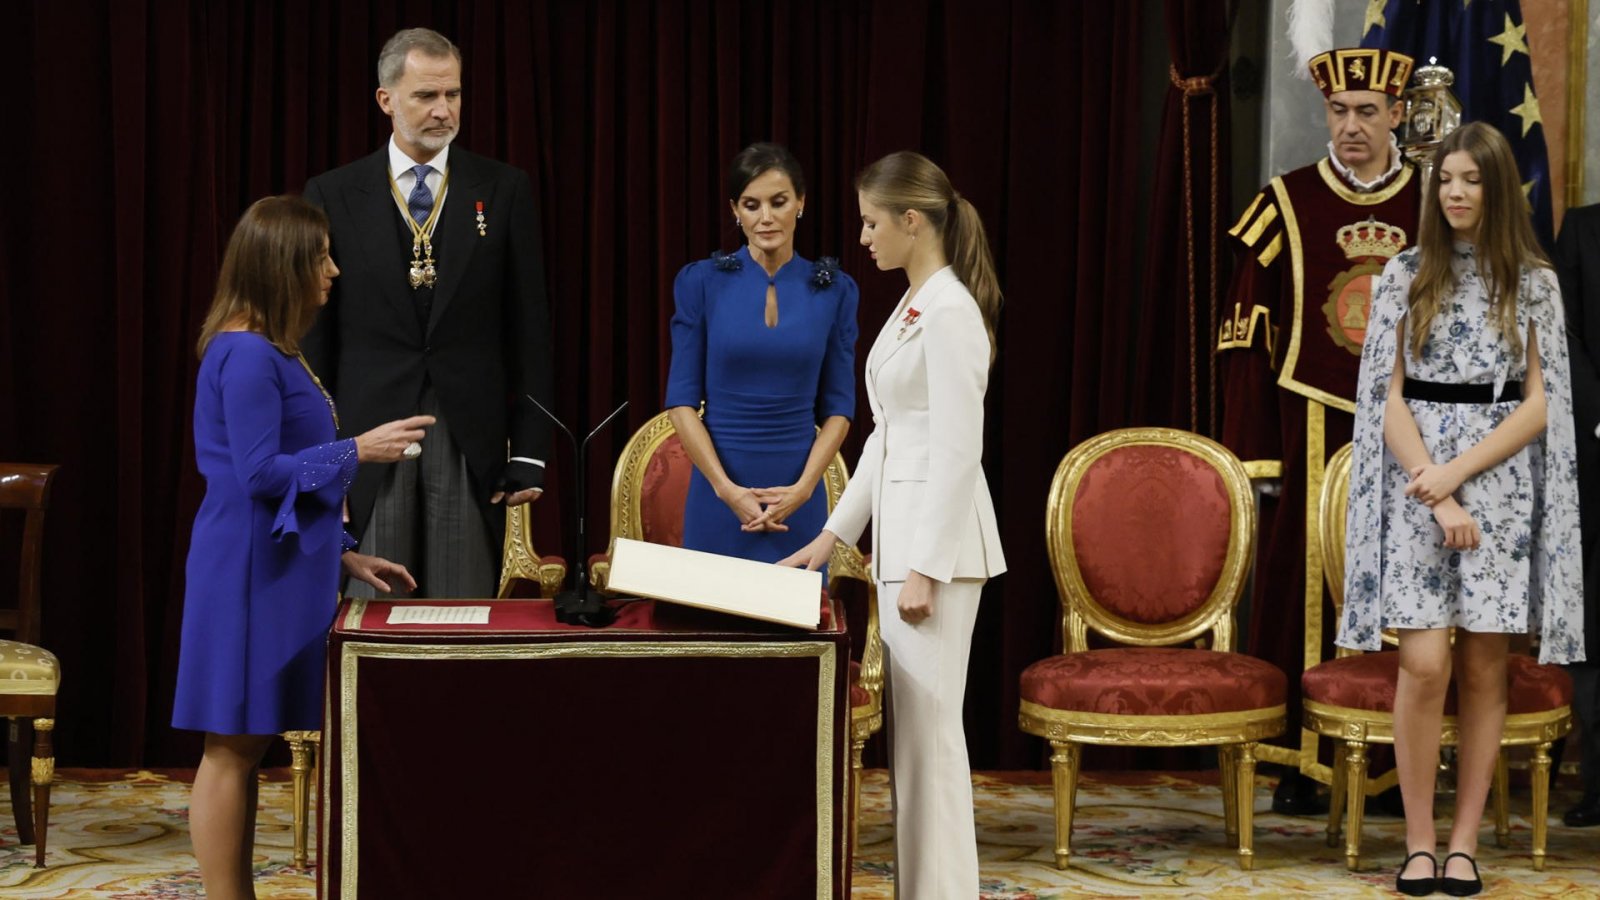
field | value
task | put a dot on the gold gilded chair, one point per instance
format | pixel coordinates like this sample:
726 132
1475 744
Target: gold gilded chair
523 573
1150 536
1350 699
29 674
648 492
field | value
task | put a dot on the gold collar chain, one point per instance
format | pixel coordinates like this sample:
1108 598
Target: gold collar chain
423 271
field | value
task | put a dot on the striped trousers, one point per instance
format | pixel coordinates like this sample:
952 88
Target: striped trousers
426 519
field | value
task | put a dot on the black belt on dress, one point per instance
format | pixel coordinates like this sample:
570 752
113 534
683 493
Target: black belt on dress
1439 392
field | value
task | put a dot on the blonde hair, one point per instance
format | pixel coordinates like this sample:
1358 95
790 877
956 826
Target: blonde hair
271 273
1505 242
905 181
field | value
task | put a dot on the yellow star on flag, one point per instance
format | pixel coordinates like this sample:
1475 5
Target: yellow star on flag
1513 40
1527 190
1374 16
1528 109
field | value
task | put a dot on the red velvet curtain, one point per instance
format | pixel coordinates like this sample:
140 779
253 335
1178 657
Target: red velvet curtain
1185 290
146 127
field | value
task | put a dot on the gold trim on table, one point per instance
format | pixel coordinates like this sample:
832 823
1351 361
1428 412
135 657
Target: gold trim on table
353 651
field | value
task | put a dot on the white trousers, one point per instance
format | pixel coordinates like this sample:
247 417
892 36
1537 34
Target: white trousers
935 840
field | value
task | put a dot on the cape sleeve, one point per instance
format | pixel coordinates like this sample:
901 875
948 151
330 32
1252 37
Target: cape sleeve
1556 576
1365 532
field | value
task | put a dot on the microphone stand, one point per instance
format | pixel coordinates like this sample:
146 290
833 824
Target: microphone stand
576 606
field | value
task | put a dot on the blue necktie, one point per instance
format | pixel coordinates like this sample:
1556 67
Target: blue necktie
421 201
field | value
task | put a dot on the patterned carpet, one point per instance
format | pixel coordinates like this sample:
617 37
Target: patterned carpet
125 836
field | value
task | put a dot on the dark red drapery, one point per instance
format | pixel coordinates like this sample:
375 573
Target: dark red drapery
148 126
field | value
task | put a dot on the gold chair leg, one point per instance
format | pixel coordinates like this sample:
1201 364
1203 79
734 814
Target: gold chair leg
1226 761
300 762
1541 802
1336 801
1245 779
1064 774
856 747
1355 789
1502 805
44 772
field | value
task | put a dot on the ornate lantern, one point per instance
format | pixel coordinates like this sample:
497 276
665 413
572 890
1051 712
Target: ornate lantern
1431 113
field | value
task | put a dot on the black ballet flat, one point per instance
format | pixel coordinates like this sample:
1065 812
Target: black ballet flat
1462 887
1418 887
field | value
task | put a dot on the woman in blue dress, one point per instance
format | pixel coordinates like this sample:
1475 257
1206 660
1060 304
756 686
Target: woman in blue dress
766 340
268 541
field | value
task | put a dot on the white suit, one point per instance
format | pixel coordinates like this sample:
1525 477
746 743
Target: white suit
920 481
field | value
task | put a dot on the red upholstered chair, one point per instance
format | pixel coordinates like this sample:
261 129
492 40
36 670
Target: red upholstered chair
1350 699
648 492
29 674
1150 535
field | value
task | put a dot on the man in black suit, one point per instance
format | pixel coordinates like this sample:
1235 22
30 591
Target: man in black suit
441 308
1578 266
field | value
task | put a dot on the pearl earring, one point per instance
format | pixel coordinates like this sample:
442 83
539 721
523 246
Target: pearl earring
800 215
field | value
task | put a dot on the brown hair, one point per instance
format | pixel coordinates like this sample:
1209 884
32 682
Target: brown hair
1505 242
271 273
904 181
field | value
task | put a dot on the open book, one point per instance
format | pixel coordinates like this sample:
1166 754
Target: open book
755 590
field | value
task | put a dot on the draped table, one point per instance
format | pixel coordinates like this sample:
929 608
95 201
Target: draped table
676 753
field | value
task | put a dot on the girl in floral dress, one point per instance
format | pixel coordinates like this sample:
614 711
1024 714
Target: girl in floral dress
1463 512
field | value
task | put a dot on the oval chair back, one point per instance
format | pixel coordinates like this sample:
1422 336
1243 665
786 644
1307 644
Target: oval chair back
1150 535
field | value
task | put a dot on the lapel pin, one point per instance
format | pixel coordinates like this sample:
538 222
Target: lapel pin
908 320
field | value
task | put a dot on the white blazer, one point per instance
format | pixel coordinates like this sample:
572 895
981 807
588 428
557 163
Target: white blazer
920 477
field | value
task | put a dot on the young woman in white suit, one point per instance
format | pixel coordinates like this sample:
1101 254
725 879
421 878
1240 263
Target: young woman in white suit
920 482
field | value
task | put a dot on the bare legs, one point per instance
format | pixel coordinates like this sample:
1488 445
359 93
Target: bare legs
1418 714
1481 696
1425 669
222 813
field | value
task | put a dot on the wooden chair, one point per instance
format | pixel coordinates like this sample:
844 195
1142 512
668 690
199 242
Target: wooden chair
523 573
1150 536
648 490
1350 699
29 674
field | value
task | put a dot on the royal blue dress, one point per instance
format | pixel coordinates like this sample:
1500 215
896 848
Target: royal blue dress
263 570
765 389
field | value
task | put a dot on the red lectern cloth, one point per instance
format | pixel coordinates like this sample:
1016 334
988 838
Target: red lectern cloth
676 754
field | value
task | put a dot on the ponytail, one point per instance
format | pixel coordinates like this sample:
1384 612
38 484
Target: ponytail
966 246
905 180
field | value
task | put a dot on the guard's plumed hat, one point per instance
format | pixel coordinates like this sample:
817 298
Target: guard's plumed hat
1361 69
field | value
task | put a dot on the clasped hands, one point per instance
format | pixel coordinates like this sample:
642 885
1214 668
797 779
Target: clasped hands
764 509
1435 485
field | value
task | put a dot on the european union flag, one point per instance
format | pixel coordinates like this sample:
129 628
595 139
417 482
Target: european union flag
1484 42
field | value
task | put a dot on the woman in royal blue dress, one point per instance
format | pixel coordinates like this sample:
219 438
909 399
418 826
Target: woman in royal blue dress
766 340
268 541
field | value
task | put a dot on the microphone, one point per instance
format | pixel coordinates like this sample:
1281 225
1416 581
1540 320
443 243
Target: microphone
576 606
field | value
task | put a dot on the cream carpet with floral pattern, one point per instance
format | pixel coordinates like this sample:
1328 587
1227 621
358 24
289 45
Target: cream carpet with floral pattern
125 836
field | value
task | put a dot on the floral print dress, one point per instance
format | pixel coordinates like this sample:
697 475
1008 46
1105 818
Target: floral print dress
1526 575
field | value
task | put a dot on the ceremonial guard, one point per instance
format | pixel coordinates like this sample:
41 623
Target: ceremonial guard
1309 249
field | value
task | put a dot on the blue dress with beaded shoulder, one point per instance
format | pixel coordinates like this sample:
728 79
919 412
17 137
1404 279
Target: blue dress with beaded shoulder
263 567
765 389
